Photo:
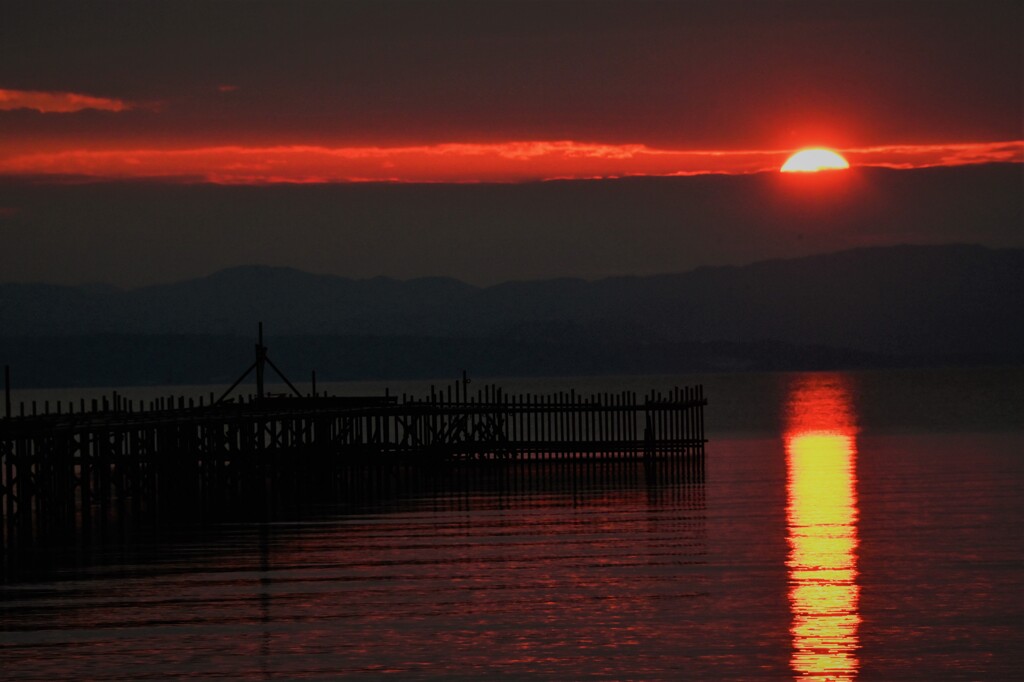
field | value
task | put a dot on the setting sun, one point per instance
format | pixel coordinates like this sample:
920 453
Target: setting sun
814 160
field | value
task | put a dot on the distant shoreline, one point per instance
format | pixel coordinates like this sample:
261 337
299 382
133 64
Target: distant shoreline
148 361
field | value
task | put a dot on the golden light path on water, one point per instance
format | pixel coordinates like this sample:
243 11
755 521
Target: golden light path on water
821 456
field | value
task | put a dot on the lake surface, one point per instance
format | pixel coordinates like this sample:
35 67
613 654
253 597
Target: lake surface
848 526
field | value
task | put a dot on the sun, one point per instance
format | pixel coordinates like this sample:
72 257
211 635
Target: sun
814 160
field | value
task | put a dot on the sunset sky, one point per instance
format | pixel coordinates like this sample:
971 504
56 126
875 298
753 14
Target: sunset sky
257 93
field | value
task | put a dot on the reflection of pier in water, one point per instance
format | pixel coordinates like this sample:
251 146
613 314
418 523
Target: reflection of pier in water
460 485
600 555
821 453
66 464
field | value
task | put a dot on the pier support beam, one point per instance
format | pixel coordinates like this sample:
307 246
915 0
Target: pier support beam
261 363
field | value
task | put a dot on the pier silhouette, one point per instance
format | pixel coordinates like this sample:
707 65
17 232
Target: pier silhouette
64 463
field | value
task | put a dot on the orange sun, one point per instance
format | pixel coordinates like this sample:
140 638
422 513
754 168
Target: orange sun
814 160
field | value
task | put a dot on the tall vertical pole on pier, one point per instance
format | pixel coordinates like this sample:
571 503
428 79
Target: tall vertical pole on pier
261 361
7 391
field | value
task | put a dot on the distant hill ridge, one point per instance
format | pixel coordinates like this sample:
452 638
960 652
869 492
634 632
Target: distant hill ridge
899 300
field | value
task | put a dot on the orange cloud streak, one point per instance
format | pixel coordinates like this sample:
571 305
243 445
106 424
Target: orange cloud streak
507 162
57 102
923 156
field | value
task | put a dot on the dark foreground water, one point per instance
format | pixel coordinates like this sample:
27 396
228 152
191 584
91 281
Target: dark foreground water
848 526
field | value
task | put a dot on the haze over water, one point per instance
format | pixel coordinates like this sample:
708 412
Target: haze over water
849 526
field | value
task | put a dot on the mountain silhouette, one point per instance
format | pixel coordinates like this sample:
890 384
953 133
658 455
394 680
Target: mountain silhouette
904 303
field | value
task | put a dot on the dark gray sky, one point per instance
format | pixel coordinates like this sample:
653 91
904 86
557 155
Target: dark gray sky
721 74
131 233
188 123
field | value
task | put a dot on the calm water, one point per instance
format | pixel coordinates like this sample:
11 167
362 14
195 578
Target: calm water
849 526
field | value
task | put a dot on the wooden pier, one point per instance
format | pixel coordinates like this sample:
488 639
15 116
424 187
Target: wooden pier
65 459
65 463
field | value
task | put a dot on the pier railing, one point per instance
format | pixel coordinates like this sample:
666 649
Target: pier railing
66 457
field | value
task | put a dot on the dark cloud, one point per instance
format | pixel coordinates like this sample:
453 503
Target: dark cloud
132 233
686 74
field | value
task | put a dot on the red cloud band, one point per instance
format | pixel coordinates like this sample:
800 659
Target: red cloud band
57 102
507 162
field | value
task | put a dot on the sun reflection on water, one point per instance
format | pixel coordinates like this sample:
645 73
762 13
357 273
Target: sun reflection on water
821 455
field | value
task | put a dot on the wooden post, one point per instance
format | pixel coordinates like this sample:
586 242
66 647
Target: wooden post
700 412
261 361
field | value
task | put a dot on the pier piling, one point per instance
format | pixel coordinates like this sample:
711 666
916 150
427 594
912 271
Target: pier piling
66 466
